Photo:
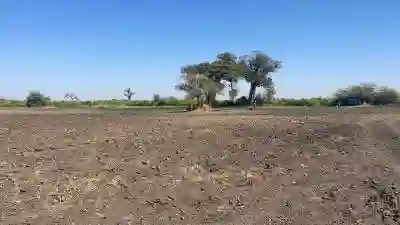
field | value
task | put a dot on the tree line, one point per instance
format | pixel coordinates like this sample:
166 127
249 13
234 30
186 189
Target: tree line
367 93
203 81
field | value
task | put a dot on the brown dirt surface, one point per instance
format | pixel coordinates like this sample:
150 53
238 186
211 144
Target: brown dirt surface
273 166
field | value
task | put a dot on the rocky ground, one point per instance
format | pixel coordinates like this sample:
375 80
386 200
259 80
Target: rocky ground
278 166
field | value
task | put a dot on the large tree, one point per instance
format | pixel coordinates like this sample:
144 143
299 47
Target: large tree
270 92
210 77
227 69
198 86
257 68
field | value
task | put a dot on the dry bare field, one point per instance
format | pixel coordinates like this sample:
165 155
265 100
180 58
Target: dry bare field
275 166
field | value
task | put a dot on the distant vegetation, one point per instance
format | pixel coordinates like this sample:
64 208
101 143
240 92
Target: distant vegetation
202 82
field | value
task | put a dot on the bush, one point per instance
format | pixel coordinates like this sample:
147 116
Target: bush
366 93
37 99
177 102
242 101
139 103
159 103
171 101
114 102
301 102
87 103
259 99
226 103
66 104
385 96
11 103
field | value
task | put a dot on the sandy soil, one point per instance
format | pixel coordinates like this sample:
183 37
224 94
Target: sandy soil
274 166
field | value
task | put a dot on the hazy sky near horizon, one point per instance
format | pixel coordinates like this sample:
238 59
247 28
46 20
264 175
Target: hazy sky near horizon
97 48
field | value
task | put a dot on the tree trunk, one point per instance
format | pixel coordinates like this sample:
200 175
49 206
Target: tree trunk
210 99
252 92
232 91
207 98
198 102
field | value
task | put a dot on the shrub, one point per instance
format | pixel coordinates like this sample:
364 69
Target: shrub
11 103
173 102
87 103
37 99
139 103
156 97
259 99
114 102
226 103
160 102
385 96
242 101
67 104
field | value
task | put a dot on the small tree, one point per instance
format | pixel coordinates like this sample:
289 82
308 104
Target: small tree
71 96
128 93
88 103
199 87
257 69
232 94
35 98
156 97
270 93
259 99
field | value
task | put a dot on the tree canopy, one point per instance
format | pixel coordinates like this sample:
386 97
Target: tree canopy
257 71
210 78
368 93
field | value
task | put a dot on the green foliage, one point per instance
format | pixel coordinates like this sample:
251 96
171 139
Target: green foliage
140 103
11 103
67 104
259 99
35 98
301 102
158 101
269 93
385 95
225 67
156 97
368 93
257 68
87 103
200 87
232 94
241 101
227 103
114 102
203 81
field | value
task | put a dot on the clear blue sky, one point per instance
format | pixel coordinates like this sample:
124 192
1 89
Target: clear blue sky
96 48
